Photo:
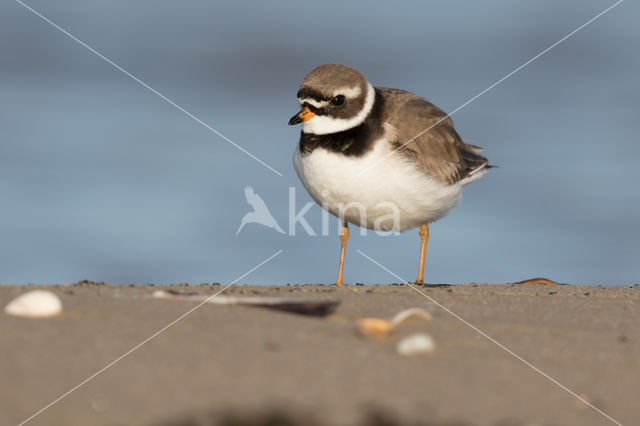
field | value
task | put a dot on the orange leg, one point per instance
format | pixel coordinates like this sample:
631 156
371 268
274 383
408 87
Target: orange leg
344 236
424 239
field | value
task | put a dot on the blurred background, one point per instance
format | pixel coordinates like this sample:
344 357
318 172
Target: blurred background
101 179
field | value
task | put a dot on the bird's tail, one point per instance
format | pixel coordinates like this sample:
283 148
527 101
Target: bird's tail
475 164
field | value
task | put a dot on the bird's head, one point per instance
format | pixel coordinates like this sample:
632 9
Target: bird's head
334 98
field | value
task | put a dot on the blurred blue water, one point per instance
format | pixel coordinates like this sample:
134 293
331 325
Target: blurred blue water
102 179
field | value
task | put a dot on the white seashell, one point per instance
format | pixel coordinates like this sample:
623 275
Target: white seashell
416 344
161 294
402 316
35 304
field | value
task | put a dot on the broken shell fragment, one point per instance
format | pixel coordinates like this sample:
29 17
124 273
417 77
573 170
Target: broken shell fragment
402 316
416 344
374 327
539 281
35 304
378 327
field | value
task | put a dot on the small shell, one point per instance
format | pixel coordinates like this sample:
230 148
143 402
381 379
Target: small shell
35 304
402 316
374 327
378 327
416 344
161 294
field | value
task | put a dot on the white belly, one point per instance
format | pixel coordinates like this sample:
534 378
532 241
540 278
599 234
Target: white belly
392 195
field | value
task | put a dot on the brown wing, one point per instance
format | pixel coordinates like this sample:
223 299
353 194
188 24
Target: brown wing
439 151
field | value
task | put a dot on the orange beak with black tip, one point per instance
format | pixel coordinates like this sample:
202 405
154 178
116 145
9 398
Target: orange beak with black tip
302 116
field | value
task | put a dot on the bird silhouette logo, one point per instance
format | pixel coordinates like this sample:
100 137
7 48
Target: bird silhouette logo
260 213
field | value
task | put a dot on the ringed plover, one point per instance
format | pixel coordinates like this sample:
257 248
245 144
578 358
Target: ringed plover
364 155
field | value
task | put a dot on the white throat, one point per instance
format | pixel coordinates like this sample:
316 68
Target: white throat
323 125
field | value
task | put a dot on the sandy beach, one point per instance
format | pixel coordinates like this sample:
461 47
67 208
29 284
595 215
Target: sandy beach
235 365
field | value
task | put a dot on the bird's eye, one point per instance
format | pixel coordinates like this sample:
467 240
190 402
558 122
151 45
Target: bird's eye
338 100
